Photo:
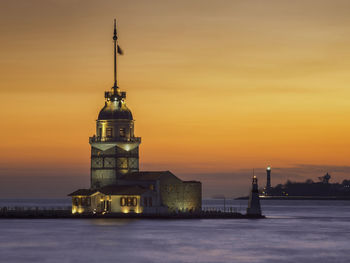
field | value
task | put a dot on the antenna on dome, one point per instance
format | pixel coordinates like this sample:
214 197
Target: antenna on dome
117 50
115 37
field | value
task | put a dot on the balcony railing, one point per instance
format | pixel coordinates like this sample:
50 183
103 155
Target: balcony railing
114 139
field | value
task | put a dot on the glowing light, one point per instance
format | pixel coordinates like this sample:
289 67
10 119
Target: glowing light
268 168
125 210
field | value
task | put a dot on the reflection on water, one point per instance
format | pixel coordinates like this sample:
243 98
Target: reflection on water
112 221
295 231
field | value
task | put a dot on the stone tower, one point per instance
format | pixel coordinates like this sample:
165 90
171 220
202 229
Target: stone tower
114 147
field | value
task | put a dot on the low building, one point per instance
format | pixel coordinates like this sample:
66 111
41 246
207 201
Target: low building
141 192
113 199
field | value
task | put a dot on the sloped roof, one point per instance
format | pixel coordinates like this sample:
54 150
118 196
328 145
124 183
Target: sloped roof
123 190
148 175
84 192
112 190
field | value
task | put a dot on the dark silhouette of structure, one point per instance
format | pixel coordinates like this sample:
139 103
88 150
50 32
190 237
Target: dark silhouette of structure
268 180
254 200
310 189
325 179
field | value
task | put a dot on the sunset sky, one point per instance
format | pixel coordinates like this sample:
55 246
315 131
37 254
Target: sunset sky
217 88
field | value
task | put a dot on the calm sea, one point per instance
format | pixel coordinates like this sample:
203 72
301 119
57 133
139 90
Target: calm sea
294 231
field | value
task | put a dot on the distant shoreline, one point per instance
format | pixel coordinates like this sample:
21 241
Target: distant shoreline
67 214
343 198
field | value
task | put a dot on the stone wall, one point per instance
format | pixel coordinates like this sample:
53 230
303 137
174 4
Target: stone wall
182 196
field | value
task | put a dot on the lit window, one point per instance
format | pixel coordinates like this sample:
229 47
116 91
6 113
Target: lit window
122 201
109 132
129 201
122 132
134 201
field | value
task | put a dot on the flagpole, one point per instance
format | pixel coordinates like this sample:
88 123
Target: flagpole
115 52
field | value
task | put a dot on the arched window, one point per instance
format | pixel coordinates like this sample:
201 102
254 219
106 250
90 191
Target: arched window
122 201
109 132
129 201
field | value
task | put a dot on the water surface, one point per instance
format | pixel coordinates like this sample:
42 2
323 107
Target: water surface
294 231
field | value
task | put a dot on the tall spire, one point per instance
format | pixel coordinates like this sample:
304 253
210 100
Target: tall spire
115 38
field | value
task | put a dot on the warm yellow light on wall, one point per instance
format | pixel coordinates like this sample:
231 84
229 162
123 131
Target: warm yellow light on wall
125 210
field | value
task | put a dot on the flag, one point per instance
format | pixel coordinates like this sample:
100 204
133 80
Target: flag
119 50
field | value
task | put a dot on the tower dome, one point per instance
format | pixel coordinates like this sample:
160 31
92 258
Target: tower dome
114 110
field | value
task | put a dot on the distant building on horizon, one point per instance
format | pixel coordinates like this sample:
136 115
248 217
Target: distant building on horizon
117 185
268 180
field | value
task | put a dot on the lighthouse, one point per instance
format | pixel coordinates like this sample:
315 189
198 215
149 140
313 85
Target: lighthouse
268 180
114 147
254 200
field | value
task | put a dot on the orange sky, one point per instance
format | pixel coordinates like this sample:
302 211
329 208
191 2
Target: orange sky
214 86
